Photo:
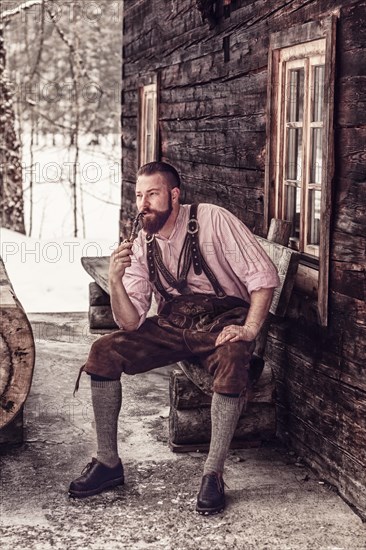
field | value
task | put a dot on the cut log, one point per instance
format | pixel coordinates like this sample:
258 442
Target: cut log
184 394
97 296
17 353
190 414
100 317
193 426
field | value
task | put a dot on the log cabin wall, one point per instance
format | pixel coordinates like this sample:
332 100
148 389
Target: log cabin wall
212 89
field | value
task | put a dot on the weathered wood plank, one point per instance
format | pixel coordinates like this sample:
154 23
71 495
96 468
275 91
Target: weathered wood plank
345 335
214 123
334 369
349 277
286 261
238 151
330 427
350 150
97 267
243 96
335 465
349 208
347 249
351 26
351 102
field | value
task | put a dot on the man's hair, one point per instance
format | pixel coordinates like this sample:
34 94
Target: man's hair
168 171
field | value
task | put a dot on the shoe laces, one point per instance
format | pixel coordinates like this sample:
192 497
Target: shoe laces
88 467
218 480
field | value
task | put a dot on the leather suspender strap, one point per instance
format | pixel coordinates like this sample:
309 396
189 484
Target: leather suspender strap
192 231
199 263
190 253
153 273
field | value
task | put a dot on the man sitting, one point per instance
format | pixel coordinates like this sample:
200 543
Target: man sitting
213 284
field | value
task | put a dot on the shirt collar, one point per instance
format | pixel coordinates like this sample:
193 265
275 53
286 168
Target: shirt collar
177 226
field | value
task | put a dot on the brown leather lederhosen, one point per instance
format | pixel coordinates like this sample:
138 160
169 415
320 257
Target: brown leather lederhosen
186 327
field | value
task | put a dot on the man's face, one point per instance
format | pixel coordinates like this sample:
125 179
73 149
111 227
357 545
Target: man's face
153 198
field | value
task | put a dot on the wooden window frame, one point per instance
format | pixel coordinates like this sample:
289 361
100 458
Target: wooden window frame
297 35
298 57
146 93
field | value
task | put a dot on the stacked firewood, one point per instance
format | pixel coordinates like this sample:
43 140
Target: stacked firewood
190 402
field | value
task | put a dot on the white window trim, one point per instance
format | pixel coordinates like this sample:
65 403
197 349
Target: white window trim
145 93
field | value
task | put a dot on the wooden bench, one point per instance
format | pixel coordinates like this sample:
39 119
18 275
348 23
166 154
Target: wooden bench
17 354
190 385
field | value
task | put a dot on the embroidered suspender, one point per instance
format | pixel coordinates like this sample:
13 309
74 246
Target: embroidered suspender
190 253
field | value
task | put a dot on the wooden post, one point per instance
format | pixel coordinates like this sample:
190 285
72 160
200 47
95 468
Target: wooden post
279 231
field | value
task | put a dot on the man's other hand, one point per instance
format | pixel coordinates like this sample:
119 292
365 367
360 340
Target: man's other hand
235 333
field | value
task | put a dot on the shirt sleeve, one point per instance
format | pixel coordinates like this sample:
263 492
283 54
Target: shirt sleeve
136 282
243 253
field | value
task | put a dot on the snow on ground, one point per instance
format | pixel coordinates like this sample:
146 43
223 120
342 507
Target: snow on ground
47 275
45 267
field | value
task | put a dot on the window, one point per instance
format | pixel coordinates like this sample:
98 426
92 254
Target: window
148 124
299 174
299 168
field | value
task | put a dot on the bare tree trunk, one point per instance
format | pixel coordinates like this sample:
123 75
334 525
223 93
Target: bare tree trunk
11 188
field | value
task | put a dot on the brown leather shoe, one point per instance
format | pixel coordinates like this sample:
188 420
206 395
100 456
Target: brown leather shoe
95 478
211 498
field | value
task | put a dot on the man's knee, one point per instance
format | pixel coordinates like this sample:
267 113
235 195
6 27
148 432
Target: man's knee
103 360
100 348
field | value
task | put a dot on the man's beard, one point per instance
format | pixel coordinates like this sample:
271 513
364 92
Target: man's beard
154 224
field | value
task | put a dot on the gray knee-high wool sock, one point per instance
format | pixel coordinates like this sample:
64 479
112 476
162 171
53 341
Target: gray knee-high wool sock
107 400
225 412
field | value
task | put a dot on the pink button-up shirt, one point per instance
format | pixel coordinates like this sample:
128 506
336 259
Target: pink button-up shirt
228 246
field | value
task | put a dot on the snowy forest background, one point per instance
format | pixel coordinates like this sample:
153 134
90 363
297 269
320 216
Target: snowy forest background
60 81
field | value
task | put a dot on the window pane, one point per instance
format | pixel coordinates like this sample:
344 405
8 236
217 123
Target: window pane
149 115
314 217
294 154
292 208
149 152
149 128
318 93
295 95
316 155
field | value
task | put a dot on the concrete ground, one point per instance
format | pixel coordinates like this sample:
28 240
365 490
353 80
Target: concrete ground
273 502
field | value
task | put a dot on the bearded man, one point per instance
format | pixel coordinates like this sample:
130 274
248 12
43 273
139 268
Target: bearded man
213 284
